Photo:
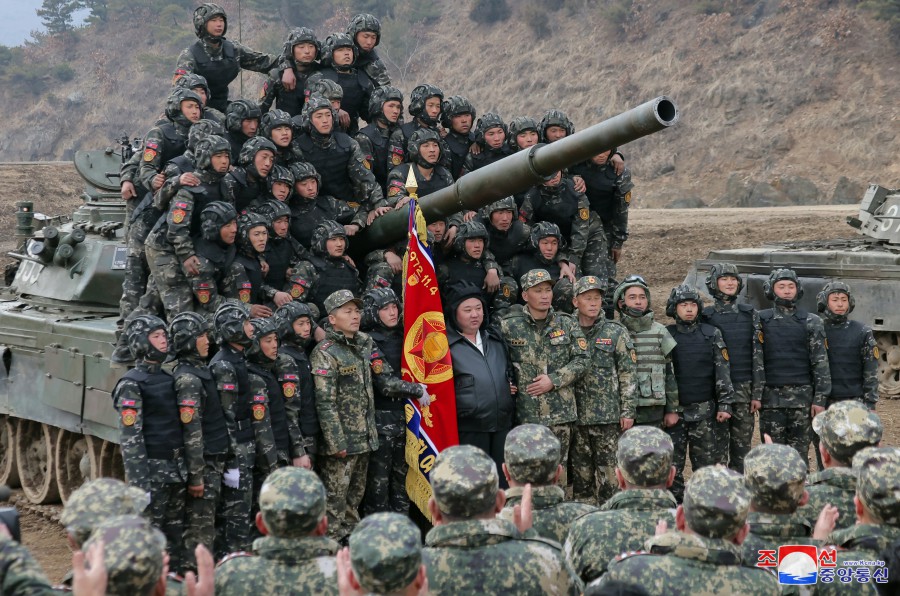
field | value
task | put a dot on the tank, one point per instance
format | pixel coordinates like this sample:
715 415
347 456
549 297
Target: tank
869 262
59 310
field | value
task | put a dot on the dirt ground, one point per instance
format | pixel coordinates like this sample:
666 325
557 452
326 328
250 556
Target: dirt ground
663 244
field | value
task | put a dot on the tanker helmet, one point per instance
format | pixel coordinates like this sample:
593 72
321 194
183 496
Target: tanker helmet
381 95
206 148
261 328
203 14
137 336
468 230
679 294
326 230
246 222
723 270
290 312
486 122
417 99
374 300
834 287
214 217
173 104
184 330
302 170
201 129
507 204
251 147
271 210
518 125
191 81
632 281
555 118
779 275
300 35
416 140
456 105
229 323
273 119
545 229
326 88
240 110
335 41
364 22
283 175
314 103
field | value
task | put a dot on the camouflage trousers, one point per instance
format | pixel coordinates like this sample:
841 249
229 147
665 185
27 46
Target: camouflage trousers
134 284
200 518
595 260
788 426
345 484
386 476
593 462
172 284
564 433
734 435
166 511
693 437
233 521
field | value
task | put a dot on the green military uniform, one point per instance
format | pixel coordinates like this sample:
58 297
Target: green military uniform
385 553
19 572
532 456
629 518
476 554
604 395
133 553
554 346
292 558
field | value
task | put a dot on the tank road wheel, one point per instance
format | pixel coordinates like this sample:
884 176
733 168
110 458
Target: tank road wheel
888 363
9 473
34 456
75 461
111 461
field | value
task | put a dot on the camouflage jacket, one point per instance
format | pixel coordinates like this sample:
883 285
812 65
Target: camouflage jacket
20 573
623 523
247 58
758 371
156 148
543 199
492 557
771 530
374 67
281 566
551 513
724 390
615 221
559 350
366 190
192 400
862 542
654 371
608 391
218 279
817 344
835 486
172 233
682 564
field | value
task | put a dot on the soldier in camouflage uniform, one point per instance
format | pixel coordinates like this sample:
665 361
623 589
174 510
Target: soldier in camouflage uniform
424 159
471 261
425 104
490 135
742 331
242 123
457 117
20 573
532 456
795 349
339 55
150 431
198 84
309 208
168 140
294 556
386 556
606 396
703 374
298 321
549 355
346 367
133 555
385 112
655 376
844 430
246 183
470 550
546 251
704 555
365 31
507 235
644 471
329 270
300 54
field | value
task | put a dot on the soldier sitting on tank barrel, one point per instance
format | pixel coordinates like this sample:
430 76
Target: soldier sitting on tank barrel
242 123
458 117
300 54
424 153
385 115
490 135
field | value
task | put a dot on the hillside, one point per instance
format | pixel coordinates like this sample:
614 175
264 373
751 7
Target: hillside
779 99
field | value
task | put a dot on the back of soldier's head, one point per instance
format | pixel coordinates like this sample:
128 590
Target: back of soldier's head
644 456
385 553
292 502
775 476
464 482
847 427
96 501
716 502
132 554
532 454
878 486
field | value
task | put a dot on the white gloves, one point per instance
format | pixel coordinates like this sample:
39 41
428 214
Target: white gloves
232 478
425 400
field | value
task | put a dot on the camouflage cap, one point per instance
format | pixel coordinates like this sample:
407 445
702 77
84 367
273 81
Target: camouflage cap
644 456
878 487
533 278
775 475
846 427
464 481
590 282
532 454
339 299
385 552
97 500
716 502
133 554
292 502
867 453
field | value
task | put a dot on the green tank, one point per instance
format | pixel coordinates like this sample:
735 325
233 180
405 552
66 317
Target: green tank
58 312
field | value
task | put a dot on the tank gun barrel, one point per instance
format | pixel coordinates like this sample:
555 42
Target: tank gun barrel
524 169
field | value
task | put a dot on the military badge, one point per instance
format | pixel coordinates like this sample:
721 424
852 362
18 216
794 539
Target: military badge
296 291
367 164
634 356
377 367
725 354
759 336
149 154
506 291
178 215
289 390
628 197
582 343
129 417
396 159
244 295
393 191
202 296
876 353
259 412
187 414
584 214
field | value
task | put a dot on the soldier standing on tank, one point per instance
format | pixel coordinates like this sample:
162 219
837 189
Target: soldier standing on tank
197 83
257 294
242 122
472 262
386 476
606 396
549 355
425 103
206 440
657 403
330 269
221 276
703 375
339 56
795 350
301 53
150 432
742 331
169 139
277 126
490 136
365 31
249 426
424 161
309 208
385 112
545 251
457 117
247 182
507 235
218 59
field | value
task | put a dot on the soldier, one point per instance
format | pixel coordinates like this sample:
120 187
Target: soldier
300 54
206 440
844 430
20 573
424 159
775 475
470 550
294 556
705 392
331 91
425 102
197 83
220 275
742 331
247 182
249 426
365 31
549 355
532 457
281 186
242 122
606 396
253 235
523 133
490 135
457 116
330 270
386 556
218 59
386 475
705 551
150 432
555 125
278 127
507 235
644 472
385 111
339 56
471 261
283 253
133 555
168 140
309 208
546 251
798 379
658 390
297 322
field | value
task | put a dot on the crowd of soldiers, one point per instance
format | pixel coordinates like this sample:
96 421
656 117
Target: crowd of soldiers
263 421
